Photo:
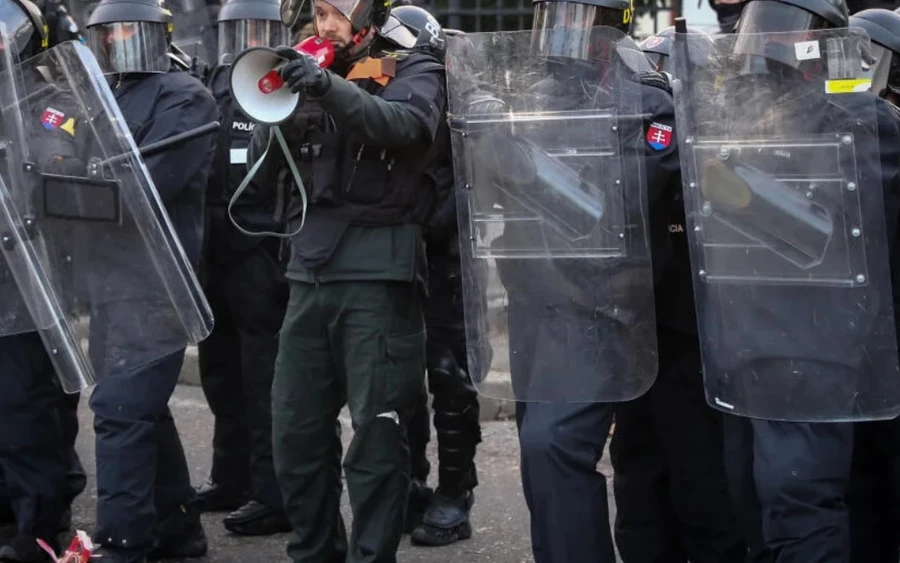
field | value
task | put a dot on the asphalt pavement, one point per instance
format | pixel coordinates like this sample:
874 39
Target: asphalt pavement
499 518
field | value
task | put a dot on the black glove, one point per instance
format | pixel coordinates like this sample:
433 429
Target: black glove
302 73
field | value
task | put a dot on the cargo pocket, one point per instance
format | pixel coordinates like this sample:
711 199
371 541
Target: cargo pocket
402 373
323 151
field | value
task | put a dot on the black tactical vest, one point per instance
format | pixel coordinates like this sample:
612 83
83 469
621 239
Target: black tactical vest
365 184
230 163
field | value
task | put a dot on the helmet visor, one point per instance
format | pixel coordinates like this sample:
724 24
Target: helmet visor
657 61
18 26
124 47
772 30
398 33
238 35
568 29
357 11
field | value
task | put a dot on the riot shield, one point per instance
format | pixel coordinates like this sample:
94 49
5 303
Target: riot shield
549 160
84 233
786 223
194 29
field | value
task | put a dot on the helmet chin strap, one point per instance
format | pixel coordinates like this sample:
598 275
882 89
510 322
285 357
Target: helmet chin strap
358 45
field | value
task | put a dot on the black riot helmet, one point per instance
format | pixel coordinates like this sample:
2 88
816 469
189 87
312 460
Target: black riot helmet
658 48
131 36
566 29
26 26
250 23
412 27
769 31
773 16
883 64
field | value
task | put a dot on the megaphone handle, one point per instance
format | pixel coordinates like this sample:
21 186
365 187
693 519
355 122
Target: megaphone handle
275 132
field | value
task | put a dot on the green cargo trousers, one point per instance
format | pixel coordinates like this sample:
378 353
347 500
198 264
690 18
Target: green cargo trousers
360 343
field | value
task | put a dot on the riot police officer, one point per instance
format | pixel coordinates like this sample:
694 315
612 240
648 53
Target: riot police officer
441 517
577 311
669 475
37 432
145 500
237 360
354 330
658 49
873 497
785 348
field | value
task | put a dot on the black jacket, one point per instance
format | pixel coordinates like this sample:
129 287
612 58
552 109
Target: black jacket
158 106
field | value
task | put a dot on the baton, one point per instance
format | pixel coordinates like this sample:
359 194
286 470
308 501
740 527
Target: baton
168 142
681 47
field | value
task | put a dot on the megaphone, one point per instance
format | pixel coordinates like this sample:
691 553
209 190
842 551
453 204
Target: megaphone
258 89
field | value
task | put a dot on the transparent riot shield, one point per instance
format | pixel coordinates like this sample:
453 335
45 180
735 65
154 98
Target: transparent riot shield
84 233
195 29
548 155
786 222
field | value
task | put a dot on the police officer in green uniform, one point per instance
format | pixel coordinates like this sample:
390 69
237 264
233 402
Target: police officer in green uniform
354 330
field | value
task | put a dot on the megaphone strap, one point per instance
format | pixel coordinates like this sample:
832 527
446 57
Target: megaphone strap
274 132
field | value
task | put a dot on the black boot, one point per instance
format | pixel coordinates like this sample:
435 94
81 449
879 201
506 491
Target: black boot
179 536
446 520
257 519
419 498
213 497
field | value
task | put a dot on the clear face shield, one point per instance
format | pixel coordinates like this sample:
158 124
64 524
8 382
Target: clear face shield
357 11
126 47
398 33
569 30
238 35
657 61
18 26
770 32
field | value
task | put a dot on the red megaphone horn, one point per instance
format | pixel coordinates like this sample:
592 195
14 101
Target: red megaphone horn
320 48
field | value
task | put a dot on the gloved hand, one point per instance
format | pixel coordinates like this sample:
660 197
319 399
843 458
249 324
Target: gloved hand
302 73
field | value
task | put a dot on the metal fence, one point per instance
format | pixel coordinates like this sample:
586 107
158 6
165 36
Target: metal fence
509 15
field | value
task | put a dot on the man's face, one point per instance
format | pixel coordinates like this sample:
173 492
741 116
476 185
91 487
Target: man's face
332 25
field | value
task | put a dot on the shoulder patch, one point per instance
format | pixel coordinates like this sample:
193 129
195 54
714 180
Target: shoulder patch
52 118
654 41
69 126
659 136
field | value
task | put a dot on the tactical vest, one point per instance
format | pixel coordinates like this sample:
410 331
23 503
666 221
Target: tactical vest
365 184
230 162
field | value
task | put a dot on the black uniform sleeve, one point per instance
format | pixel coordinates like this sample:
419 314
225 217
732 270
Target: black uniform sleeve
661 166
56 148
408 111
178 109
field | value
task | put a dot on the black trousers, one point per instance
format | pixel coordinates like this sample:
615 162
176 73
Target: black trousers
36 436
455 404
795 476
248 296
669 481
